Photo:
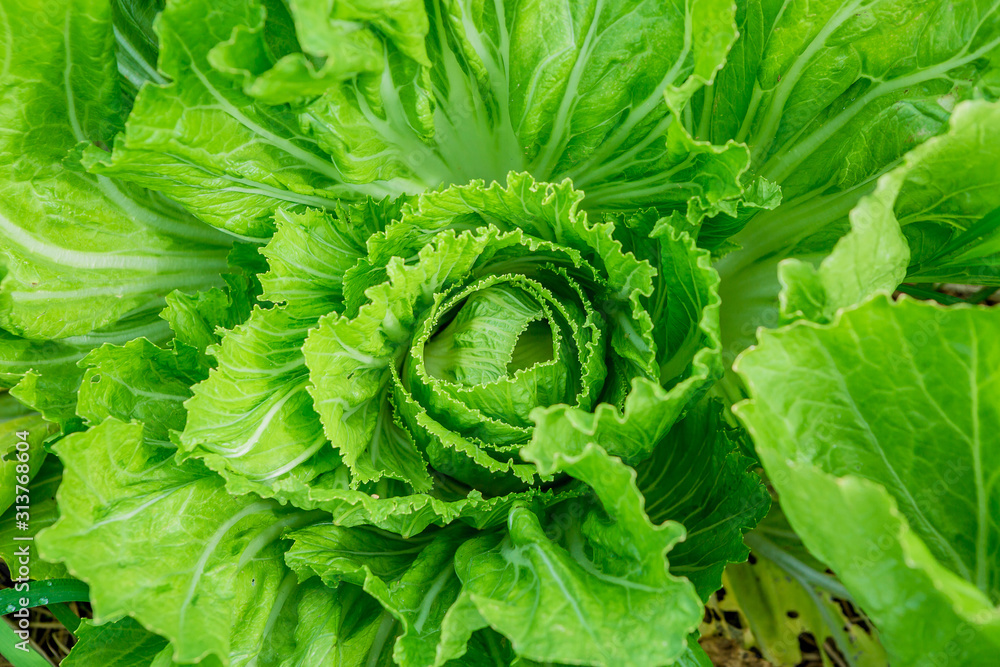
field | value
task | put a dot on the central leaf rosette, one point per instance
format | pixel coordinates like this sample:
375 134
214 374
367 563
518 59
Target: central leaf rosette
482 315
481 390
488 353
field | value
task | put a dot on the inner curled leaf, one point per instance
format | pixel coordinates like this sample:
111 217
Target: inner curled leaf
485 331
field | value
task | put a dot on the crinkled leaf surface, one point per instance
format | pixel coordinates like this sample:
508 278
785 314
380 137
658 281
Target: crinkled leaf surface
46 375
253 420
139 381
252 160
167 544
558 602
79 251
309 103
699 477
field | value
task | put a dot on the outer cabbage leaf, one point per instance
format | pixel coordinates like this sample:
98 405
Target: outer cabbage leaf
511 86
943 198
829 96
139 381
35 431
312 251
199 320
123 643
310 624
849 420
136 45
252 161
253 420
700 477
79 252
337 44
831 93
400 97
523 579
597 592
331 626
412 578
947 200
253 417
46 375
200 562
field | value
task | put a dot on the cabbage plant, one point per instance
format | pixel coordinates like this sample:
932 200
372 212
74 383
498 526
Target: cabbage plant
403 333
